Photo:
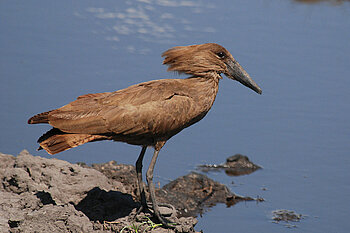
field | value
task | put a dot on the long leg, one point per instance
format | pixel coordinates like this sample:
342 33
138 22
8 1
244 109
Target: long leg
139 180
149 176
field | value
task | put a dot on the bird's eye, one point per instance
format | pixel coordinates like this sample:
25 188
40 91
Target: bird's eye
221 54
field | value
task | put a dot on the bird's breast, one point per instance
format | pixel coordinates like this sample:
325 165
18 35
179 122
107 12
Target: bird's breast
160 119
194 103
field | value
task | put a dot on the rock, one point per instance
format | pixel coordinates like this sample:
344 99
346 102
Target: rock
25 212
194 193
123 173
63 181
100 205
6 161
53 218
235 165
190 195
144 222
240 165
51 195
286 216
12 206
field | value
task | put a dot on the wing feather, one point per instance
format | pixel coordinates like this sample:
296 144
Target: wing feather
144 108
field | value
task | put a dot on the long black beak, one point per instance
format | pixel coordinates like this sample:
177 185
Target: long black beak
236 72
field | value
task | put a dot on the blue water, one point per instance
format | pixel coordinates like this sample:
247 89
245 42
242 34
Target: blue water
298 130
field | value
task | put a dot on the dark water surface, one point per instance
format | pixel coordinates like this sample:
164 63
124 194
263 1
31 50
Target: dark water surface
298 130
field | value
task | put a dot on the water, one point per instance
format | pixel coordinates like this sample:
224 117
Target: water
298 130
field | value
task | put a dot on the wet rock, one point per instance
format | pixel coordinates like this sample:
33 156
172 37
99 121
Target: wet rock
240 165
286 216
194 193
235 165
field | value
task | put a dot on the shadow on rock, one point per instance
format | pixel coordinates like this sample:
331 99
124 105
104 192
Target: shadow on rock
45 198
100 205
123 173
191 194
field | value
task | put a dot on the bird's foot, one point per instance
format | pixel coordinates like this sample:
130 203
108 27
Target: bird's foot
164 210
143 208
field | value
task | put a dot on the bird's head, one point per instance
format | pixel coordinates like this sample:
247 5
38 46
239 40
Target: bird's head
205 60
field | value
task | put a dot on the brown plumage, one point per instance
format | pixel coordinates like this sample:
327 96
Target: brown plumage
149 113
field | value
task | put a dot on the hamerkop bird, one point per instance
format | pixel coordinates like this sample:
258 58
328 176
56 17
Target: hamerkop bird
146 114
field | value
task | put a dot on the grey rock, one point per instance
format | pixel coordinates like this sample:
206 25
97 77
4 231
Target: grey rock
53 218
51 195
65 182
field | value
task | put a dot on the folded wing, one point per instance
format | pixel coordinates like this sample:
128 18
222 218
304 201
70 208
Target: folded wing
146 108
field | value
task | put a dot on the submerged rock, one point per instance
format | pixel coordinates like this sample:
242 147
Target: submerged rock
235 165
286 216
194 193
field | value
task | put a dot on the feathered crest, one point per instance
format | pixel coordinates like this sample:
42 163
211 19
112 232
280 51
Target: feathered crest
195 60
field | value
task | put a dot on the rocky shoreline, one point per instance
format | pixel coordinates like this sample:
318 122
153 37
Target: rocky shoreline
52 195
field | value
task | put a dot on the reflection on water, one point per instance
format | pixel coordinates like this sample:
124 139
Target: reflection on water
334 2
149 21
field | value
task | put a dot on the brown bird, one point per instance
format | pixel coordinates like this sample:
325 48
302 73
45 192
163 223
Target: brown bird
146 114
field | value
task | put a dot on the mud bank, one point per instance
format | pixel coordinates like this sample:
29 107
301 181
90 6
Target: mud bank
51 195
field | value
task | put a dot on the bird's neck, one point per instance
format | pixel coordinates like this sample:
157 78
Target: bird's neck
205 89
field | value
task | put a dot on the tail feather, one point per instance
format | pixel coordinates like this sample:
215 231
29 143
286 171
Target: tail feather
39 118
55 141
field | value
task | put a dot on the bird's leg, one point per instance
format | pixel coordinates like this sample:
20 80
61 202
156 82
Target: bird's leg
149 177
142 195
